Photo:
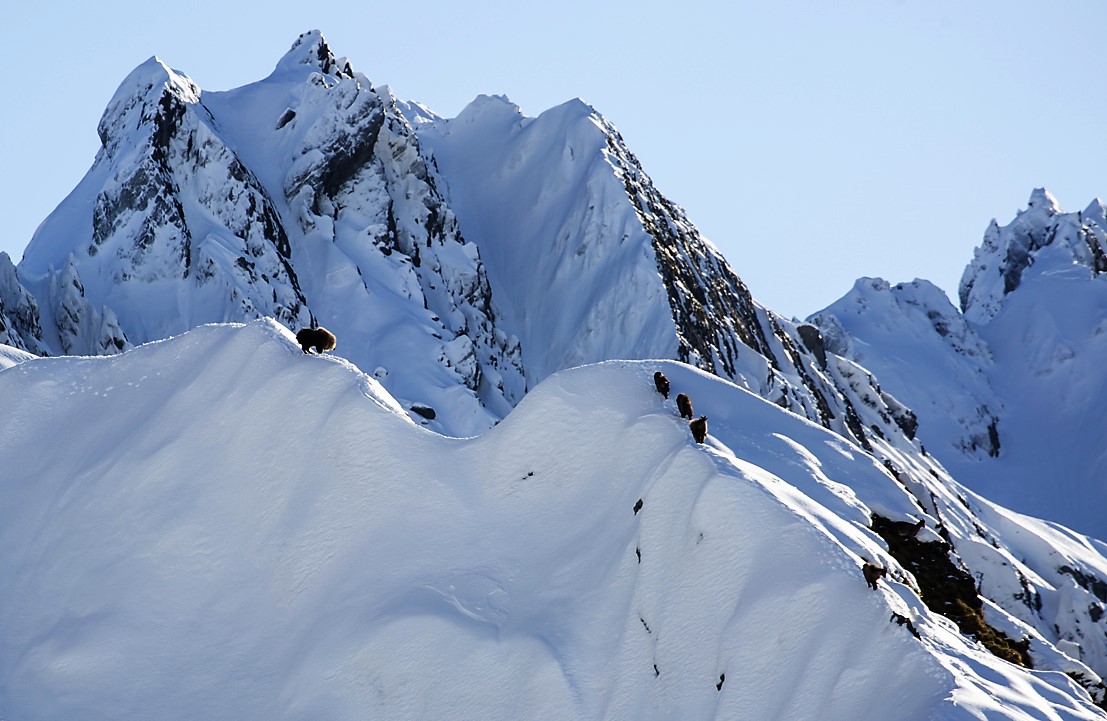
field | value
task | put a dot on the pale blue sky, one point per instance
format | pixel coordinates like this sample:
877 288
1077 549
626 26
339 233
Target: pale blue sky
813 142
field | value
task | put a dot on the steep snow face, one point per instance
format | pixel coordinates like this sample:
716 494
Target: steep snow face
1010 394
590 262
583 560
568 258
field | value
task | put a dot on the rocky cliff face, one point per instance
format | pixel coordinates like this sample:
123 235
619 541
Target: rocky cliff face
19 315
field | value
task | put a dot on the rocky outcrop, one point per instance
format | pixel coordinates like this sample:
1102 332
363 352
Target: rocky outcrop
82 329
19 314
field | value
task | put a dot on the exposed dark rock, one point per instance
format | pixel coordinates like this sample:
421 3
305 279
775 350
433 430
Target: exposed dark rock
993 438
287 117
424 411
813 340
904 621
1092 584
946 588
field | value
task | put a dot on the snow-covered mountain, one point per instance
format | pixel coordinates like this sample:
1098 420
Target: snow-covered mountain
257 533
1009 391
444 519
458 260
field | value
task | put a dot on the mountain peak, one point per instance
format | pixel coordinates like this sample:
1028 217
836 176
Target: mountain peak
140 92
1042 199
311 50
1096 212
1043 237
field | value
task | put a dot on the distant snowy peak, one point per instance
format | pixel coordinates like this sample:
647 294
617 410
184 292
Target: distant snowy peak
1009 394
884 307
915 340
1041 237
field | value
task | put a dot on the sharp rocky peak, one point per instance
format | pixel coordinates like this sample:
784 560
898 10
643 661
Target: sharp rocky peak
1043 238
312 51
150 91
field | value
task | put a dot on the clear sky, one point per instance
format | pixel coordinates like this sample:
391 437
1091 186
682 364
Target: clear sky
813 142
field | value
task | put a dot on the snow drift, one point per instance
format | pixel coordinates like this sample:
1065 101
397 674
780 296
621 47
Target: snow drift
219 526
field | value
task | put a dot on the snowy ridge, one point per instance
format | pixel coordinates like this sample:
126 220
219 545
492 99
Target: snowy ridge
10 355
251 531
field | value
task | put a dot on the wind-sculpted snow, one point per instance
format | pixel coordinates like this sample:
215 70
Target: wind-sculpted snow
264 534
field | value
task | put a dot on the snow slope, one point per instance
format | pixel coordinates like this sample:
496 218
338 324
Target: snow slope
257 533
9 356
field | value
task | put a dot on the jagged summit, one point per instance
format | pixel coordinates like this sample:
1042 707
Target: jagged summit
1042 200
1042 238
151 88
311 49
